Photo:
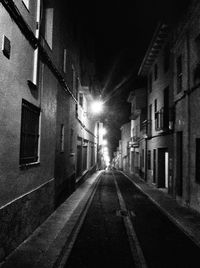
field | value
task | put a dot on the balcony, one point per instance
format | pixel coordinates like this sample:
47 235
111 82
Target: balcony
134 143
146 129
134 114
164 119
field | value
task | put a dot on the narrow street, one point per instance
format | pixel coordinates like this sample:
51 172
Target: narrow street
123 228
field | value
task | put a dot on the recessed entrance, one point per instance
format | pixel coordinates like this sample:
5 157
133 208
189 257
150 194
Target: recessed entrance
163 168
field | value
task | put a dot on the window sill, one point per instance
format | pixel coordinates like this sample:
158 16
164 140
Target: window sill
29 165
27 8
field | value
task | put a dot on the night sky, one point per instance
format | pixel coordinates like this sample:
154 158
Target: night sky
120 31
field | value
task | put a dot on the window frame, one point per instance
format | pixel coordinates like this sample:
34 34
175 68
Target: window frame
48 25
197 157
179 73
64 60
29 158
149 159
62 138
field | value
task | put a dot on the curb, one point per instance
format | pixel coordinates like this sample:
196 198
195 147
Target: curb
46 246
167 214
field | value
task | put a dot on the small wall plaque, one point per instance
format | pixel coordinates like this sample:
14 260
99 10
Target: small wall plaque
6 47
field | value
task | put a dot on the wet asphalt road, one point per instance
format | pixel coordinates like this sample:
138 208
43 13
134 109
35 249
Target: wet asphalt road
103 242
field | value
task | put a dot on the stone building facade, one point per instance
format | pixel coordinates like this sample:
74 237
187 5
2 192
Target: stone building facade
171 65
125 138
186 96
137 144
43 116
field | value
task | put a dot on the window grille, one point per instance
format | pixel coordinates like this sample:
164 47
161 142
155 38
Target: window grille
29 133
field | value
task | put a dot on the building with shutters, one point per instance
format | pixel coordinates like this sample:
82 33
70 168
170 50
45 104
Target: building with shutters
125 138
186 82
157 68
48 135
138 140
171 66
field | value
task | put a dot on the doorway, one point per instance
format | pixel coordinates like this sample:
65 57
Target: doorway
154 165
163 168
179 163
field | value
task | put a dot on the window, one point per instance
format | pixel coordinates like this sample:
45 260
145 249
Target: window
155 105
150 82
198 160
143 158
26 3
6 47
48 16
149 159
29 133
155 72
92 155
197 46
166 109
81 99
159 119
71 140
76 86
166 58
150 120
62 138
64 60
179 73
155 111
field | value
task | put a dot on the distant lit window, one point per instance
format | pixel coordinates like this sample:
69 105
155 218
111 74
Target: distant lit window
26 3
29 133
179 73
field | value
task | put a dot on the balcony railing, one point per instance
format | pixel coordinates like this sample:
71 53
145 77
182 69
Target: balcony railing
146 128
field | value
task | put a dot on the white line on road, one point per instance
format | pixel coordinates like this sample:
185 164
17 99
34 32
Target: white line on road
136 250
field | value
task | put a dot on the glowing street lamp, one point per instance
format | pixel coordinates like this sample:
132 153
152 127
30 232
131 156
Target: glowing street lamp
104 142
97 107
104 132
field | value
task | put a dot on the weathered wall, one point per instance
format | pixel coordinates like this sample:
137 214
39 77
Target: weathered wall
27 193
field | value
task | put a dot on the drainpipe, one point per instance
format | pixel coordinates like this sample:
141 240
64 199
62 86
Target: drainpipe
145 158
188 186
37 33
